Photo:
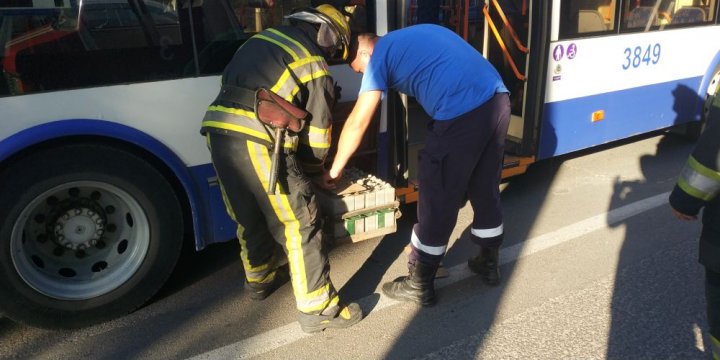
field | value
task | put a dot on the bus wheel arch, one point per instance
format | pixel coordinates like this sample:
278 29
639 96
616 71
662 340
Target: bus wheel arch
79 214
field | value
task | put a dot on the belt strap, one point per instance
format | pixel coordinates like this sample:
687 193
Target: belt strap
238 95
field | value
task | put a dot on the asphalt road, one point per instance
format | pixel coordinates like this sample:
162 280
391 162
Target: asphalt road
594 266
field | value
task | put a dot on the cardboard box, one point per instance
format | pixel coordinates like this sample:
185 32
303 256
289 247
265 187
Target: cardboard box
361 207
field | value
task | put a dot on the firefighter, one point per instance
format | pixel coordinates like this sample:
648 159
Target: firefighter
470 110
698 186
289 60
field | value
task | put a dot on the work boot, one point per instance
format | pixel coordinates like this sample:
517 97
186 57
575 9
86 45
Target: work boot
337 317
418 286
486 265
260 291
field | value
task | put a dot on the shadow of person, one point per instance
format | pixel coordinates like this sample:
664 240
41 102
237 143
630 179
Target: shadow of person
367 278
657 301
468 309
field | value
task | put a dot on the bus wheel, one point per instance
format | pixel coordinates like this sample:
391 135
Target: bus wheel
87 233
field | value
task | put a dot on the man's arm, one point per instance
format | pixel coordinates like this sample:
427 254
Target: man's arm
352 133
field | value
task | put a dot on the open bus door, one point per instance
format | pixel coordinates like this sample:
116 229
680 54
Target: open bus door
500 30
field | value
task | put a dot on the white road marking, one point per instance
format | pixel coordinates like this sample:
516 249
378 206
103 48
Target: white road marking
290 333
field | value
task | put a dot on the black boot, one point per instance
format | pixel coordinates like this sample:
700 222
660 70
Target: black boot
418 286
486 265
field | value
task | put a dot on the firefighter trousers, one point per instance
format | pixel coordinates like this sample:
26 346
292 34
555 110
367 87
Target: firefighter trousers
462 160
289 218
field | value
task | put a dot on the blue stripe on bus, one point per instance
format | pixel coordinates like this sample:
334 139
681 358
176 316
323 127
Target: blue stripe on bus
567 125
84 127
223 228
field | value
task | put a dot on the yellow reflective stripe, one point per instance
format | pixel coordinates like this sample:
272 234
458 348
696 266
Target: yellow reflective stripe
260 158
318 137
682 184
715 347
315 75
237 128
699 181
257 274
279 84
703 170
302 48
306 61
320 306
244 130
283 46
234 111
310 62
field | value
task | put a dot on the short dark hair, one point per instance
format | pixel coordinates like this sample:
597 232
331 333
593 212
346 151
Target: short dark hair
355 44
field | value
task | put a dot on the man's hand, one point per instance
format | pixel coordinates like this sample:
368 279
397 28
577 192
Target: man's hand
682 216
328 181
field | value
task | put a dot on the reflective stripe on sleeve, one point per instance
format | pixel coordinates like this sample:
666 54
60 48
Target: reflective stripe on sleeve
304 70
699 181
318 137
487 233
715 343
430 250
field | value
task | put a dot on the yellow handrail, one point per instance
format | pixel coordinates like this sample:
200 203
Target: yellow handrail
508 26
502 45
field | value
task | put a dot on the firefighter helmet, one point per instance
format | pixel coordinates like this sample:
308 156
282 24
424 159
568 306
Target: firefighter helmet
334 29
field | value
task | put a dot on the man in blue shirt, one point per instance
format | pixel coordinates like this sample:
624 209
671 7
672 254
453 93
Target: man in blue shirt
462 159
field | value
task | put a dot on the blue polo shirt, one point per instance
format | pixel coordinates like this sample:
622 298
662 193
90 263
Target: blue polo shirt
446 75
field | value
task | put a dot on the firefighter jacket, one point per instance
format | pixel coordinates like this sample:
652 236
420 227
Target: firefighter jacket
287 61
698 186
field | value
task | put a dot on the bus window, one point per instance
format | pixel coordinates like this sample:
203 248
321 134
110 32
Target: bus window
646 15
692 12
587 17
56 45
220 27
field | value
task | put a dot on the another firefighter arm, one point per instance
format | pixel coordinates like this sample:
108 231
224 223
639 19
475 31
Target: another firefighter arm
352 133
699 181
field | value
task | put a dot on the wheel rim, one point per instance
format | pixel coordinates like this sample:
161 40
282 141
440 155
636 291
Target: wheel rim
80 240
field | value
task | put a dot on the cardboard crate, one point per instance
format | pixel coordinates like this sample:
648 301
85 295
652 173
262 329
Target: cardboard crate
361 207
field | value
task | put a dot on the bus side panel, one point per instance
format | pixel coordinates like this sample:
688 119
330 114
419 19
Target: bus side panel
84 127
569 125
610 87
220 227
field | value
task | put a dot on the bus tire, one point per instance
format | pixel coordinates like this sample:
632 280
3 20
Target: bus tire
87 233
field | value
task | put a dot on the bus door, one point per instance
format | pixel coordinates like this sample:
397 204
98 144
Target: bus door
500 30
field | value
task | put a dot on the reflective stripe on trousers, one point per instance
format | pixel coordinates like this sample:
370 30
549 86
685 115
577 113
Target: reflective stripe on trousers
289 217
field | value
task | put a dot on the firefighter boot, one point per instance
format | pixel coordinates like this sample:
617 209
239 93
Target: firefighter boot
335 317
418 286
486 265
259 291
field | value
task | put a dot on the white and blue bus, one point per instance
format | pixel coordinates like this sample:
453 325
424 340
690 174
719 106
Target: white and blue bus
104 175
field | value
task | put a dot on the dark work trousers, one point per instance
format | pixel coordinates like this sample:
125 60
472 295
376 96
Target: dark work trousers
462 159
289 218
